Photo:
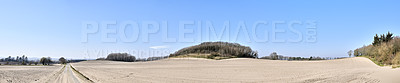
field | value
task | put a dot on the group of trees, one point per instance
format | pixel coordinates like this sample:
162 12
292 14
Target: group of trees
139 59
62 60
128 58
45 61
151 58
48 61
23 60
275 56
385 50
382 38
221 49
121 57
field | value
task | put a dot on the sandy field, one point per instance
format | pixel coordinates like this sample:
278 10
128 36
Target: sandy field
196 70
27 74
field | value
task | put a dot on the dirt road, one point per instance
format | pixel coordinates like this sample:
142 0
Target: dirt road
67 76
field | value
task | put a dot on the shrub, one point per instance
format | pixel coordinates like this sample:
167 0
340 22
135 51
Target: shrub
213 55
396 59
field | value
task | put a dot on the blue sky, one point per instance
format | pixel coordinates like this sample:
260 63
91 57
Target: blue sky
53 28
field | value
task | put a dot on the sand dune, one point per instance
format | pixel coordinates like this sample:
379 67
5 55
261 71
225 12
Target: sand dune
356 70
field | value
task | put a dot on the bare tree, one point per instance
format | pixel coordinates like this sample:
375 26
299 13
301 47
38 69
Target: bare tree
350 53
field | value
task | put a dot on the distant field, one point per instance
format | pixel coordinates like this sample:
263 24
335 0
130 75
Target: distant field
190 70
26 74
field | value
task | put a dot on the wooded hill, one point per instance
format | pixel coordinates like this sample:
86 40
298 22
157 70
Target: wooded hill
216 50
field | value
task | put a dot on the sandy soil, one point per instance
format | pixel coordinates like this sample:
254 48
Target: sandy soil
238 70
26 74
40 74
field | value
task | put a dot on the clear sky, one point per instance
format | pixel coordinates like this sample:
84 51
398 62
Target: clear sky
54 28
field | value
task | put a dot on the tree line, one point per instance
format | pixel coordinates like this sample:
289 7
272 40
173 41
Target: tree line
23 60
275 56
151 58
129 58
